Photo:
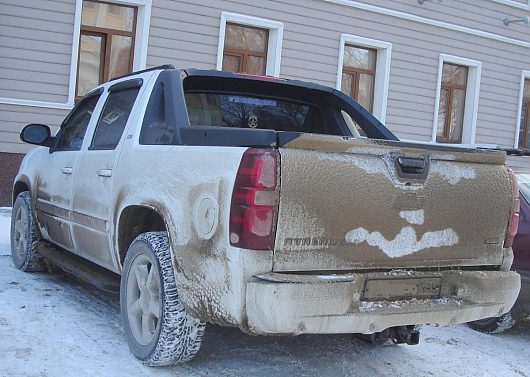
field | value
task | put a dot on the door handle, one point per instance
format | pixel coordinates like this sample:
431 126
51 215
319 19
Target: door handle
105 173
67 170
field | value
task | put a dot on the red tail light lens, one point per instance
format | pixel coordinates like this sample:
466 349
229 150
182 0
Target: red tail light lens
513 223
255 200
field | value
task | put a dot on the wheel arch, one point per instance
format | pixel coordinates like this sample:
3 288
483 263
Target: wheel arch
21 185
133 221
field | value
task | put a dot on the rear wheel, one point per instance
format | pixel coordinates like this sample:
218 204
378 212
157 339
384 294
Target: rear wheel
159 331
494 325
23 235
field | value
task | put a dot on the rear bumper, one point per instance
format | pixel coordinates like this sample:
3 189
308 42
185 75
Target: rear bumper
296 304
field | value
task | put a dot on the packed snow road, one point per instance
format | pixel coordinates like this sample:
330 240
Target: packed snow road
50 325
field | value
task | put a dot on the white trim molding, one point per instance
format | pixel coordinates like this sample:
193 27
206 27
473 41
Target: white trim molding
514 3
32 103
274 51
75 52
139 61
472 96
429 21
382 69
525 75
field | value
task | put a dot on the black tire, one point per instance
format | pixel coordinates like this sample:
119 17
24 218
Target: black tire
174 336
23 235
494 325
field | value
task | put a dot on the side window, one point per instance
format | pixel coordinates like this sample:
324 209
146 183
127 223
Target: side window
155 129
72 132
113 119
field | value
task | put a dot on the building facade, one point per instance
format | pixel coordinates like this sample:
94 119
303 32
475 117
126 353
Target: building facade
439 71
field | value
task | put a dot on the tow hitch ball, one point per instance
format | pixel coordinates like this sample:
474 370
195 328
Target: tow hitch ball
398 335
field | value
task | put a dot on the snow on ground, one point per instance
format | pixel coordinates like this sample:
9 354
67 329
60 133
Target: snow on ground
5 227
50 325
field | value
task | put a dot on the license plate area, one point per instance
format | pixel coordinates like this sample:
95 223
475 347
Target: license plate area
393 289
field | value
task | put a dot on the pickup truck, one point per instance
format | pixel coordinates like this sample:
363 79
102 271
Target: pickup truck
271 205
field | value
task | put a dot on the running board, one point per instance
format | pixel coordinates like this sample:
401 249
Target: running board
83 269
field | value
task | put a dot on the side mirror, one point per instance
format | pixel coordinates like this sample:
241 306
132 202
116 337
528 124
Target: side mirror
37 134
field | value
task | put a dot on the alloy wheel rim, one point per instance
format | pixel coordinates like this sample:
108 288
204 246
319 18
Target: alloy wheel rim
20 234
143 299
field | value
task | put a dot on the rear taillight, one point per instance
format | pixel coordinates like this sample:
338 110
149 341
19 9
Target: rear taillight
513 223
255 200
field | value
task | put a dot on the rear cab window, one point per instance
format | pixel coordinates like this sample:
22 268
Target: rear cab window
250 111
259 104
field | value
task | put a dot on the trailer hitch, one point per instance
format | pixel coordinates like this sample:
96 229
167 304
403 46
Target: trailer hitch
404 334
397 334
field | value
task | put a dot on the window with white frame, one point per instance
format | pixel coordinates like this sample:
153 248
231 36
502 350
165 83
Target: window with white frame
456 105
106 43
249 45
364 72
112 40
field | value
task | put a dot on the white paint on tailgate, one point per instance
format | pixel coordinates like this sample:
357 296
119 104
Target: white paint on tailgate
453 172
367 163
406 241
413 217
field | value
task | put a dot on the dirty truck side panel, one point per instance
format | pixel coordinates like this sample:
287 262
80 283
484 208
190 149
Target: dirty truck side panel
191 188
93 183
51 191
53 196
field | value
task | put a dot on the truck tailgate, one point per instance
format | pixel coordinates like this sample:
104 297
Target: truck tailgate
350 204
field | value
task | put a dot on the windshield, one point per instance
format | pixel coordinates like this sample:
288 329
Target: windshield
249 111
524 185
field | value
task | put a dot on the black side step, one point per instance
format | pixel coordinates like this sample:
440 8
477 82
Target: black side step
83 269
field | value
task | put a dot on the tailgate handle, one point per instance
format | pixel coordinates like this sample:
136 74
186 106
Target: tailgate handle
412 167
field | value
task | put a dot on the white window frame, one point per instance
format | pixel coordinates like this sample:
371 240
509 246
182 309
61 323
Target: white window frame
274 49
382 69
469 125
525 75
143 20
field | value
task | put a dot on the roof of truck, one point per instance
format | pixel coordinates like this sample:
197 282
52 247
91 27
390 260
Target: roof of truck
246 76
225 74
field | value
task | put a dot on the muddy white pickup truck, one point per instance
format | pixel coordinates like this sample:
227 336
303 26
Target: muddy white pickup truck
275 206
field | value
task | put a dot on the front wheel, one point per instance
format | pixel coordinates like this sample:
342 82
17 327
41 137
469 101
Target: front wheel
494 325
159 331
23 235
